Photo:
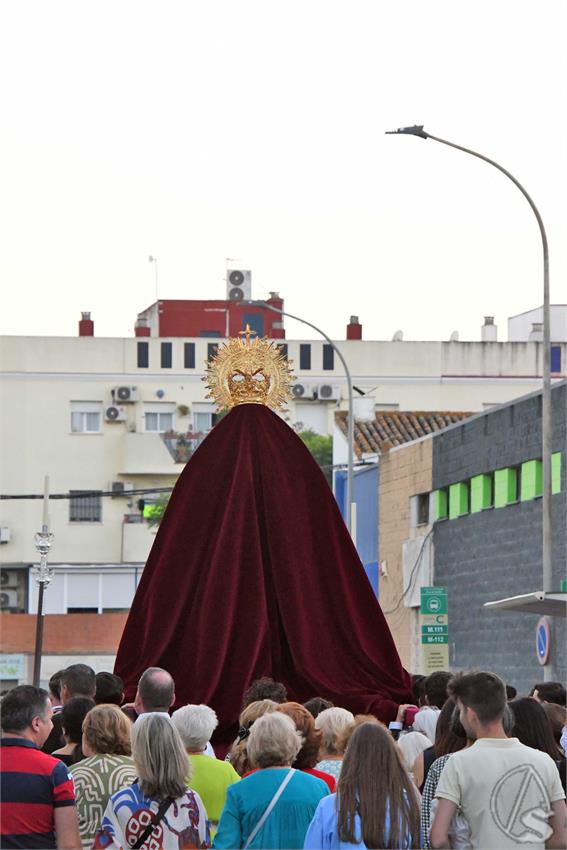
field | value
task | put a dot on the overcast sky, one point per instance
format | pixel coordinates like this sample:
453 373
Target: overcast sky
197 131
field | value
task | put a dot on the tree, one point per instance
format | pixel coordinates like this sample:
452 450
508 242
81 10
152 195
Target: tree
153 514
321 447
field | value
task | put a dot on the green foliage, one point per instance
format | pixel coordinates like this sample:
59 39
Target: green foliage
153 514
321 447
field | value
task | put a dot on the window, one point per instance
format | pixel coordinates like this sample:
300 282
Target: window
555 358
159 419
143 355
86 417
305 355
166 355
283 349
85 506
189 355
328 357
212 349
256 322
423 509
204 417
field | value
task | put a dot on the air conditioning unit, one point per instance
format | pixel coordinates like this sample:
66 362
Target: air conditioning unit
303 392
120 488
115 414
329 392
239 285
5 537
8 599
8 578
125 395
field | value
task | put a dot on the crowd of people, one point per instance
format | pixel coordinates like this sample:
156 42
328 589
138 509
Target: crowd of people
469 764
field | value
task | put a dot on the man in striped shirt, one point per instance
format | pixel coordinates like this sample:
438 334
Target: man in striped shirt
36 791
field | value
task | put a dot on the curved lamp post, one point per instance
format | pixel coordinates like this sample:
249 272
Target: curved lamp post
350 418
417 130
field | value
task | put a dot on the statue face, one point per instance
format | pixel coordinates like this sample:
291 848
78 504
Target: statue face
249 386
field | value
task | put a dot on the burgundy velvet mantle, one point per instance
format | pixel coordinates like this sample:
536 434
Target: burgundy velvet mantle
253 573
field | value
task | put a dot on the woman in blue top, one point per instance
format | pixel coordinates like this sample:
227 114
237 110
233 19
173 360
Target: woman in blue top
376 804
248 820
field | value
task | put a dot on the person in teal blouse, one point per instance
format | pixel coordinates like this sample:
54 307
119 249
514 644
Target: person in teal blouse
272 748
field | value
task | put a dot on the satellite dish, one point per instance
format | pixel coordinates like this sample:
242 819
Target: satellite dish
454 336
398 336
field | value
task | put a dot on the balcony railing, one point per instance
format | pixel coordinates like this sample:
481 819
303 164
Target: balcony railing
181 446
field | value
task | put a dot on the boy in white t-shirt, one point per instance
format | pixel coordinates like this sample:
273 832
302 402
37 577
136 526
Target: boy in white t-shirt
510 794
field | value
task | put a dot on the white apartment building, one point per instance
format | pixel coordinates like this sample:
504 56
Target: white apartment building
92 413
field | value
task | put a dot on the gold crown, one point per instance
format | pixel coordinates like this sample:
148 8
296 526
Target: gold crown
248 371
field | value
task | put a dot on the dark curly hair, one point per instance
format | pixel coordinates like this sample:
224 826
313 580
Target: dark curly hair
264 688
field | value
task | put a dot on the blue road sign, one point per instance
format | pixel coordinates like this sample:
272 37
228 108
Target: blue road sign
543 640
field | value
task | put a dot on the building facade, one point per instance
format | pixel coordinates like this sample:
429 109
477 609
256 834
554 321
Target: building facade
113 421
481 491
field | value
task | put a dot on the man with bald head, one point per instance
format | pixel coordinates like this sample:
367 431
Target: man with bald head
156 691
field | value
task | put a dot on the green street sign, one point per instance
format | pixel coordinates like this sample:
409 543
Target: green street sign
435 630
434 600
435 638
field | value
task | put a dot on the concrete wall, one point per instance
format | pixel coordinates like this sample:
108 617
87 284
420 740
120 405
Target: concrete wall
404 473
497 553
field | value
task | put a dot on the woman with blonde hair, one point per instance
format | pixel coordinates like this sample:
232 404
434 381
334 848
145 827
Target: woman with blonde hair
411 745
273 805
238 756
376 801
157 810
107 768
331 723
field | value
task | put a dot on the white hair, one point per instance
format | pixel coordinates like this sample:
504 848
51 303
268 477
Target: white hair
332 722
195 724
411 745
274 740
425 721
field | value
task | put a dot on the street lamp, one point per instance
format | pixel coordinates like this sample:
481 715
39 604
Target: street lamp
417 130
350 417
43 575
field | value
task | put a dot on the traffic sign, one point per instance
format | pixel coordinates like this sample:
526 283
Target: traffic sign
435 638
435 630
543 640
434 600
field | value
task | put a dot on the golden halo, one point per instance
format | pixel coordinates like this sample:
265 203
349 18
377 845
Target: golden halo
248 371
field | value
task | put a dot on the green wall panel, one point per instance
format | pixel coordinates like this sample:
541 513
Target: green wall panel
458 500
440 506
556 472
481 493
505 487
531 480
